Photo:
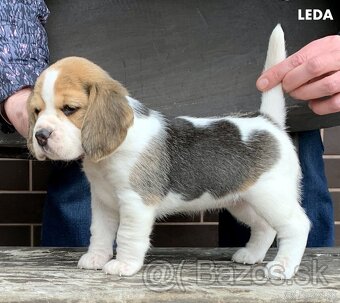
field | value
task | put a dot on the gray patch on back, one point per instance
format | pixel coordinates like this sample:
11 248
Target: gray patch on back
191 160
150 174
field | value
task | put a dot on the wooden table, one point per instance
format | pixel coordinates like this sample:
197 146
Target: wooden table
170 275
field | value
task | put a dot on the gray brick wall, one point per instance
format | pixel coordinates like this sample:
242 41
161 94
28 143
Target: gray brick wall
23 188
331 139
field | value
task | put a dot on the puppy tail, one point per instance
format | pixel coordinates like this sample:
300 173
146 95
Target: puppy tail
273 101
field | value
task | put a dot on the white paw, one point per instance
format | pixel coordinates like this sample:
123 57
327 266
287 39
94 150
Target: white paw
280 270
246 256
93 260
120 268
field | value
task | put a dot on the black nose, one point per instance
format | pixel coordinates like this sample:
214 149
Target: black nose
42 136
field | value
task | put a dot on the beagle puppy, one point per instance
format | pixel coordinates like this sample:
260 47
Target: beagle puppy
142 166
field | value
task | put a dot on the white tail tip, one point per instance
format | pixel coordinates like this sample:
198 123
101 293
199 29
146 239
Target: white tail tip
273 102
276 47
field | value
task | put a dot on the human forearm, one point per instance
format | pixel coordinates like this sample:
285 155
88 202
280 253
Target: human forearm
15 110
23 56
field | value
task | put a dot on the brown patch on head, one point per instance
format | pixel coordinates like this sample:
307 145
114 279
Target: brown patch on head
104 115
70 94
95 103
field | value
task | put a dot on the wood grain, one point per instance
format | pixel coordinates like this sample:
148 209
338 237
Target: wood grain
170 275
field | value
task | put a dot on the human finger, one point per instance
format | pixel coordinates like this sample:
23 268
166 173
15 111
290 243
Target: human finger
328 106
274 75
311 69
326 86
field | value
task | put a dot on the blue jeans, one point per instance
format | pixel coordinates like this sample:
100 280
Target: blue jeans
316 199
67 213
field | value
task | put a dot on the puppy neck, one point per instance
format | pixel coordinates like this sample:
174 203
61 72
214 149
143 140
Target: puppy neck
147 125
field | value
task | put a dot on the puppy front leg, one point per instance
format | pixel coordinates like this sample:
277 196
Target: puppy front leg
133 237
104 227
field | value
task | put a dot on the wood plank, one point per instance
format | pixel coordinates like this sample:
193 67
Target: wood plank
172 275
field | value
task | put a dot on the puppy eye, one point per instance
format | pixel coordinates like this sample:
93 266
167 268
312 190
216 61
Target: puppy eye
37 111
69 110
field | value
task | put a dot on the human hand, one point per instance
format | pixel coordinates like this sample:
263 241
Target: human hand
16 110
311 74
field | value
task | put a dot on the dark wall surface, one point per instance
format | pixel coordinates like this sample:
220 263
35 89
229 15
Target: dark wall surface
186 57
191 57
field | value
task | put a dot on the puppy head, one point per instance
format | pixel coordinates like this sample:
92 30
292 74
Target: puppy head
76 109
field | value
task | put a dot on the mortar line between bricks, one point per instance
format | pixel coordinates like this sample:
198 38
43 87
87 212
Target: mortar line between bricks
334 190
20 224
331 157
187 223
30 175
322 134
22 192
158 223
32 236
14 224
12 159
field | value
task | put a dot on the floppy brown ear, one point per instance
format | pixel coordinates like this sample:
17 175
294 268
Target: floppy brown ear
106 121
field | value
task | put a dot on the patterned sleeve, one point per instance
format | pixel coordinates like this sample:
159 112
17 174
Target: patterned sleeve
24 51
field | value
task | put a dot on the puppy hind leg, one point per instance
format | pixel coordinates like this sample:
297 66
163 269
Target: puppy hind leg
261 237
292 239
281 209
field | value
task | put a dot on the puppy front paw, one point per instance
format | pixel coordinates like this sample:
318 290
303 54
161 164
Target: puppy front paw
245 256
280 270
120 268
93 260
